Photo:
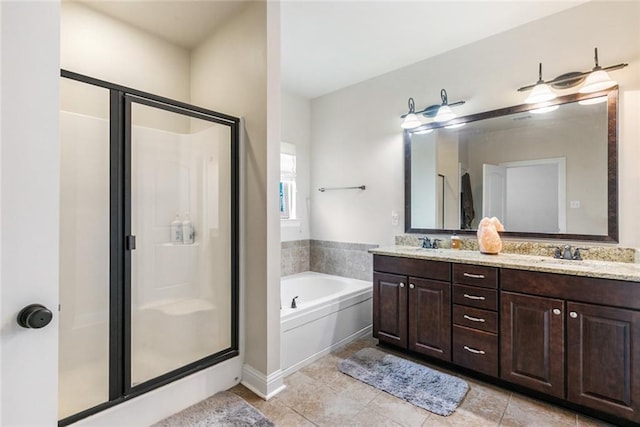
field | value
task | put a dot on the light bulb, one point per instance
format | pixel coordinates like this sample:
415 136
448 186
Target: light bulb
540 93
596 81
444 114
410 121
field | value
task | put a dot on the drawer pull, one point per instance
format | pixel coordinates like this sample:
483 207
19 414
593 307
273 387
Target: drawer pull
473 319
473 350
473 276
474 297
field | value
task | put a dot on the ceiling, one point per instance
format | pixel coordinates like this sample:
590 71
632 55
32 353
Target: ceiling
328 45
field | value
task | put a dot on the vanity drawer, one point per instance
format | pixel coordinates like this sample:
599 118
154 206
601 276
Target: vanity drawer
475 318
475 275
475 350
423 268
475 297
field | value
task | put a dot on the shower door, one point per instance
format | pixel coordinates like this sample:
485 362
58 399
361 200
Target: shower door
180 301
149 212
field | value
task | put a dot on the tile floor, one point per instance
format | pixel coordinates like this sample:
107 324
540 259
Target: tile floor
320 395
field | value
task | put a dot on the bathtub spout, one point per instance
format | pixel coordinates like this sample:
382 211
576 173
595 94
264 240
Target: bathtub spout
293 303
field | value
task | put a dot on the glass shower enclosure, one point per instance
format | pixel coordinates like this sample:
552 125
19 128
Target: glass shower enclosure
148 242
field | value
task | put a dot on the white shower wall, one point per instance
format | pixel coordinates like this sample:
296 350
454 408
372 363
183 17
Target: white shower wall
177 303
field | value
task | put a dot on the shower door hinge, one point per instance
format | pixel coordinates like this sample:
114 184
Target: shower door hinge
130 243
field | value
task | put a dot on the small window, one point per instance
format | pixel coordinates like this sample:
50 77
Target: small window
287 181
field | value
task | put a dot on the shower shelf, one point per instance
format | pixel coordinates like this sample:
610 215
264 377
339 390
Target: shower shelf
180 306
180 244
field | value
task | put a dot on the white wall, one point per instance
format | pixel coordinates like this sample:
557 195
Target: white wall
98 46
356 135
296 129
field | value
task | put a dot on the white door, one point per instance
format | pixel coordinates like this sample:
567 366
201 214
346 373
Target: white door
494 187
29 92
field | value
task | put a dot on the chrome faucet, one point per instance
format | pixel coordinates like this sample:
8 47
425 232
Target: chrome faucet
428 243
564 252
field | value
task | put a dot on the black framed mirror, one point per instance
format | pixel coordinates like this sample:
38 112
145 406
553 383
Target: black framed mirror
545 171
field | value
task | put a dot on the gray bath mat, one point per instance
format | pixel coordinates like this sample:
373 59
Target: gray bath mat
223 409
421 386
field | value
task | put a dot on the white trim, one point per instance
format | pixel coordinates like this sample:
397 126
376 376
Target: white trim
265 386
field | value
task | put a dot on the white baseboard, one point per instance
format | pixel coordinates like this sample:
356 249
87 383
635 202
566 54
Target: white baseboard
366 331
262 385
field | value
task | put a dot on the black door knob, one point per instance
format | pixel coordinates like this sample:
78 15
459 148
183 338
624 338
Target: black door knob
34 316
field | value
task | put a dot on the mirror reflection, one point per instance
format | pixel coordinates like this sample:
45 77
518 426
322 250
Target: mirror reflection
541 172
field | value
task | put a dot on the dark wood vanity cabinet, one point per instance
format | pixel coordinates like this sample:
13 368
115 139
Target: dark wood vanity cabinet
591 326
571 337
603 359
413 310
475 318
390 308
532 351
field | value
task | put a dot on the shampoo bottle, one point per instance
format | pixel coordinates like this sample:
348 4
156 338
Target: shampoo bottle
187 230
176 230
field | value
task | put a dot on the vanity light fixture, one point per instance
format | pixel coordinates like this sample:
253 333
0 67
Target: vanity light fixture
598 79
444 112
595 80
440 112
541 91
410 119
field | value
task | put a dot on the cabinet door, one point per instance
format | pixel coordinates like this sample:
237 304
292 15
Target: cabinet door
532 349
603 357
430 317
390 308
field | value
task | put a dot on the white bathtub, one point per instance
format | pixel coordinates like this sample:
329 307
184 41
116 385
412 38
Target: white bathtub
331 311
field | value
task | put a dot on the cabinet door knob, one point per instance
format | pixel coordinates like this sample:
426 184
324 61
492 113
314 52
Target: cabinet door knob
401 285
573 315
411 286
556 311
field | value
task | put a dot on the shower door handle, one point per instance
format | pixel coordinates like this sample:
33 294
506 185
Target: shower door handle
130 243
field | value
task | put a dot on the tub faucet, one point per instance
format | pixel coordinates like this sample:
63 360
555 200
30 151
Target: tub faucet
293 303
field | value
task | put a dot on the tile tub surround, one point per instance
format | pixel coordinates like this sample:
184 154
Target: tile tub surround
320 395
470 243
342 259
294 257
623 271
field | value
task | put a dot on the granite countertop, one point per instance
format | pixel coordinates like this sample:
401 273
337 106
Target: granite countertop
587 268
